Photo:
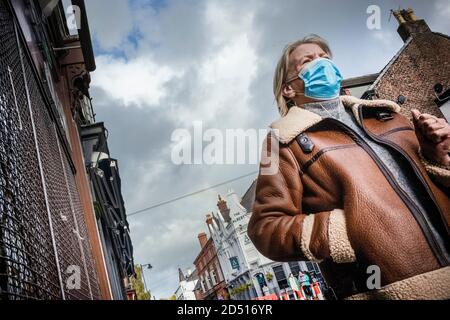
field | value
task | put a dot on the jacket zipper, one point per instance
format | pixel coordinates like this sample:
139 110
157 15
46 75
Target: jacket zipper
418 215
411 162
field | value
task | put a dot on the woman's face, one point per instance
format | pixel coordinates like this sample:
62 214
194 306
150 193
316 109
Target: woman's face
301 56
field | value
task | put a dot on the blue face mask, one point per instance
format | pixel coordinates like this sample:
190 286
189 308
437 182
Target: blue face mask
322 79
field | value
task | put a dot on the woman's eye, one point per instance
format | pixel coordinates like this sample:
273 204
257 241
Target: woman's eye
305 62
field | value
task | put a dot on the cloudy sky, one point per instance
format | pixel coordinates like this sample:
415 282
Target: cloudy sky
163 64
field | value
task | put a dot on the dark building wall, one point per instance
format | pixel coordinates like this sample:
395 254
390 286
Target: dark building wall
47 224
105 184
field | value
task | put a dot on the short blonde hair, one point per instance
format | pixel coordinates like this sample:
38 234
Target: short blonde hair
281 70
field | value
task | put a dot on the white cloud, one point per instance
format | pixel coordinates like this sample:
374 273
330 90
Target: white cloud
217 85
138 82
222 92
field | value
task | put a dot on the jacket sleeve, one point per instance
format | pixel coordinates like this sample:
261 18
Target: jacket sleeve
278 227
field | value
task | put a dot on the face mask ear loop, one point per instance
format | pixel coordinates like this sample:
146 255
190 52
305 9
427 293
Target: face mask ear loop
292 102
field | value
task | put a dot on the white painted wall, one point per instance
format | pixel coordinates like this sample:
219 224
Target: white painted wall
185 290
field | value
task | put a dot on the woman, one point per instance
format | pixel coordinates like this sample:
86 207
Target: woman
358 187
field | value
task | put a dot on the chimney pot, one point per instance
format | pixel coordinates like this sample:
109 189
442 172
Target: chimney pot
410 14
224 210
398 16
409 24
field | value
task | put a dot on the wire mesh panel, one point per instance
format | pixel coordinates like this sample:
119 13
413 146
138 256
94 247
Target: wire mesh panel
76 246
44 247
86 247
27 261
68 249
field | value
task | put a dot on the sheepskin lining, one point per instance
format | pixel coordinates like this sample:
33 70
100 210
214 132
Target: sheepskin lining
439 173
433 285
307 228
341 250
297 120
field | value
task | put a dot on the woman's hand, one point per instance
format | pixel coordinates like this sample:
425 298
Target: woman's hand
434 137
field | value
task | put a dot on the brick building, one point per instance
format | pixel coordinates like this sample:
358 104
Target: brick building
211 284
417 75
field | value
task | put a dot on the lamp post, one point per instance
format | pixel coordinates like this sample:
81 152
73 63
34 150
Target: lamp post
149 266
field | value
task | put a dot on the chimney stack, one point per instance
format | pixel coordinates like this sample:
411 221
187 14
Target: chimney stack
181 276
409 24
203 239
209 219
224 210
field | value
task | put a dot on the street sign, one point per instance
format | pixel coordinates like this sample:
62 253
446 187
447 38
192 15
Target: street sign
234 263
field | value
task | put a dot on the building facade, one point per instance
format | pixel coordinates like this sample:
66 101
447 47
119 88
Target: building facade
417 76
211 283
247 273
187 284
419 72
110 214
50 245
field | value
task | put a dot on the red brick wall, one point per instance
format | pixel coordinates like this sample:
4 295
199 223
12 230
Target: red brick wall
203 262
422 64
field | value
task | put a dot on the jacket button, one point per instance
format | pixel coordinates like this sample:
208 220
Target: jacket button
305 143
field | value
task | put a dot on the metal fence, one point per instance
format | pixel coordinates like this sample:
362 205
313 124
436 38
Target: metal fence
44 247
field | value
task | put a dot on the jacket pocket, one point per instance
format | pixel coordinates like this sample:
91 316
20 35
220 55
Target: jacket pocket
341 250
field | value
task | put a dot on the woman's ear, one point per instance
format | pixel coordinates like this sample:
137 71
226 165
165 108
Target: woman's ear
288 91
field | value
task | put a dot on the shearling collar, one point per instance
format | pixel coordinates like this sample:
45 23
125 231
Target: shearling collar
298 120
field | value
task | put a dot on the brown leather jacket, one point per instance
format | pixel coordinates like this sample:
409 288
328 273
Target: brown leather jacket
336 205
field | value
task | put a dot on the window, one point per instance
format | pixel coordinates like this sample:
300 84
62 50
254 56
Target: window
261 280
295 268
214 277
310 266
55 97
316 267
280 276
219 271
205 279
203 284
445 109
210 284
